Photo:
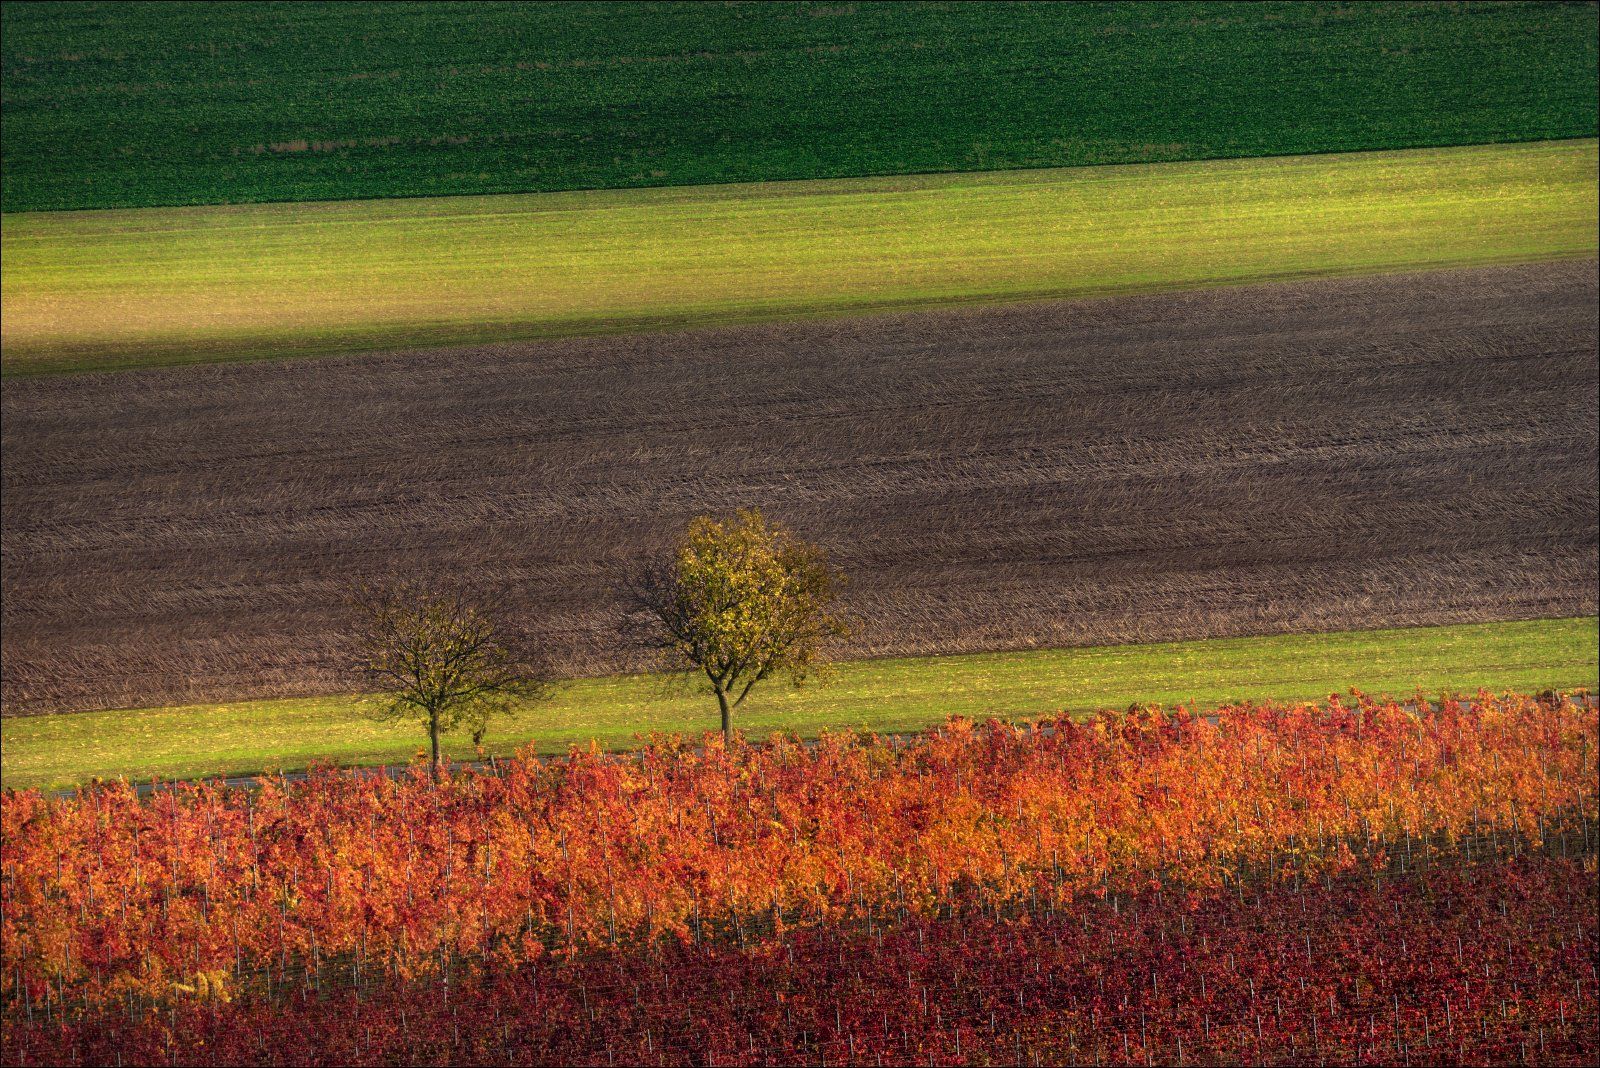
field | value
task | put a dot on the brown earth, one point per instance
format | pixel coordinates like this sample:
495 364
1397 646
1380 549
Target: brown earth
1395 450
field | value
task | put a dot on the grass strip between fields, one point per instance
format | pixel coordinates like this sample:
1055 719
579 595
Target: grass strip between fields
881 695
111 289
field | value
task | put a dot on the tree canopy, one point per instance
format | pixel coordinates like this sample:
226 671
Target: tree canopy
741 600
440 656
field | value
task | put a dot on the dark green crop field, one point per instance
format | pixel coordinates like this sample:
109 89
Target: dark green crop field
114 105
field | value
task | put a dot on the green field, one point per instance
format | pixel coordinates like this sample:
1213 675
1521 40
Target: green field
114 289
883 695
133 105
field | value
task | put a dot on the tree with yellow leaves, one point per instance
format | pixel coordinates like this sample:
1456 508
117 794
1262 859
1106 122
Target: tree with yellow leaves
740 600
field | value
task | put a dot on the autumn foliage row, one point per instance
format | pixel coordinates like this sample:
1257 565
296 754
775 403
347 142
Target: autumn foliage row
1477 963
113 899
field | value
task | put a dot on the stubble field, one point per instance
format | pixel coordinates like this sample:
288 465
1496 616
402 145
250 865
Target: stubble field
1363 452
122 289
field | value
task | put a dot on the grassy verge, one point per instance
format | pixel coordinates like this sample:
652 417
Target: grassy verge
113 289
134 105
883 695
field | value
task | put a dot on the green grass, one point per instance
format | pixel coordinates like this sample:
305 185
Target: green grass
111 289
133 105
883 695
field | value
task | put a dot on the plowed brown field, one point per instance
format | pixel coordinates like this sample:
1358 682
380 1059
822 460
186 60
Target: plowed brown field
1302 456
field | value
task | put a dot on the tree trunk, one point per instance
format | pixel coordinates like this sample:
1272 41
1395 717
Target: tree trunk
433 738
727 718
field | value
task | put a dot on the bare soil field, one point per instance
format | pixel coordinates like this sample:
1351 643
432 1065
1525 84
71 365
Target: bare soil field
1378 451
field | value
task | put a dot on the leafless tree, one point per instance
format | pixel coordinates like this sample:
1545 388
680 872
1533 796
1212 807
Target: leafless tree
441 656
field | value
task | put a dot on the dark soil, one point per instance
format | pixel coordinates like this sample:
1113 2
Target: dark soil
1409 449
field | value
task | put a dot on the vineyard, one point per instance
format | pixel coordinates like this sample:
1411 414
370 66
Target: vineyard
1351 882
534 382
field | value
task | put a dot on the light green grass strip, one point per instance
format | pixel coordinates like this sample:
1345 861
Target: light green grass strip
884 695
170 285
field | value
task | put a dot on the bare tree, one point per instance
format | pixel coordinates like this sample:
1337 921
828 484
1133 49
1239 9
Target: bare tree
741 600
442 657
